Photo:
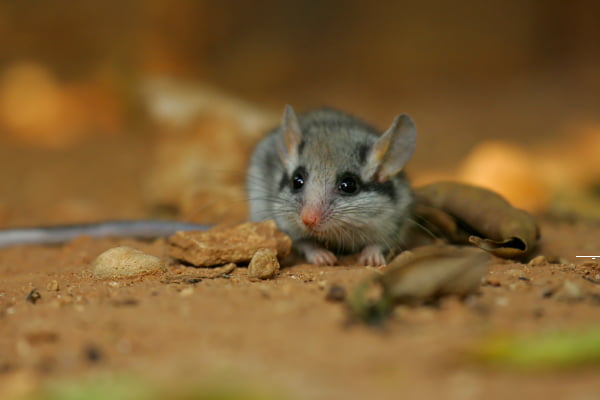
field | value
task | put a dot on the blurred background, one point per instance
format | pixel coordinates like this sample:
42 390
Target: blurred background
130 108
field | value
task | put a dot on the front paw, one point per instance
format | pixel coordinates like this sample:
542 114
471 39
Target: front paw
320 256
372 256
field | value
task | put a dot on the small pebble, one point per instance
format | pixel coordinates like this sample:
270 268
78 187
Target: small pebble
52 286
336 293
264 264
538 260
123 261
34 296
186 292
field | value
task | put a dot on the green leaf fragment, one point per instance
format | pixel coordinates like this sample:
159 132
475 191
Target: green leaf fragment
548 351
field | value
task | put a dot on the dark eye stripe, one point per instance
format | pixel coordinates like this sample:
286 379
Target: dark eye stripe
284 181
361 151
301 147
386 188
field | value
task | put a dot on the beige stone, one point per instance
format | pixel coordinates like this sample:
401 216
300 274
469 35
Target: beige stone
264 264
226 244
123 261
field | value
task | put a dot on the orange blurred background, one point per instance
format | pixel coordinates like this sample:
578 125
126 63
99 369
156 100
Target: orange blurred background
504 95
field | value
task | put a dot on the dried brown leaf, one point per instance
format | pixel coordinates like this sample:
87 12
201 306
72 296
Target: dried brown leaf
494 225
419 277
435 271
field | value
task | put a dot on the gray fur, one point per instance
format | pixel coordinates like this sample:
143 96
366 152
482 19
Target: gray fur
332 143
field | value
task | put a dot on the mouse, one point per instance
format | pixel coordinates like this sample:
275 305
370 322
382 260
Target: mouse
334 184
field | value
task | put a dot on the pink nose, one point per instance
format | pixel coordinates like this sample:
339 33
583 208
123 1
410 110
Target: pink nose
310 217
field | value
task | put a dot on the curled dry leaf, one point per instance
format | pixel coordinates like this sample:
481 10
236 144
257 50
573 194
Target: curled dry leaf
435 271
429 273
477 216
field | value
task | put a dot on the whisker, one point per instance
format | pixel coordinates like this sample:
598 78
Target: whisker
423 228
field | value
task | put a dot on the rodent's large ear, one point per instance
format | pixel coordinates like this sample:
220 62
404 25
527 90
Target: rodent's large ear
392 150
290 137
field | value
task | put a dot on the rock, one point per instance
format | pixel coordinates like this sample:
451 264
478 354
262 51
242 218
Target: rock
199 274
223 244
538 260
121 262
53 286
263 265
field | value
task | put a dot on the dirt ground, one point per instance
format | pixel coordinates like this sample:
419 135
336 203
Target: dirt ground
278 338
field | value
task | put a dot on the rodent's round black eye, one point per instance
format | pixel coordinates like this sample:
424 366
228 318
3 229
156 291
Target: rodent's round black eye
298 179
297 182
348 185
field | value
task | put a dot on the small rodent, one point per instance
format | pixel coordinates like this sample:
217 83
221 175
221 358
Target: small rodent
334 184
327 179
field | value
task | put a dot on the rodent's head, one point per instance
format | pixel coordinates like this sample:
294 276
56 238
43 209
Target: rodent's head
342 183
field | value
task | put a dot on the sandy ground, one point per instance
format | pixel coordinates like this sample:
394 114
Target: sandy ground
278 338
